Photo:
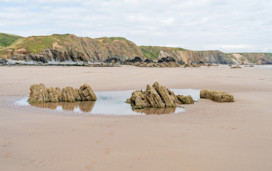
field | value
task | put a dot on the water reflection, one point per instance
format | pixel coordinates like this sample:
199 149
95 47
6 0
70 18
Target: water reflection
87 106
84 106
110 103
158 111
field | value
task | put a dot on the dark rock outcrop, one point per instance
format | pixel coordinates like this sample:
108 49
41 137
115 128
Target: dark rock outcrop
3 62
112 60
167 59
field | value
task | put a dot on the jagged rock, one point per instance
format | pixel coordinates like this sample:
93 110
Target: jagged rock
167 96
153 97
185 99
38 93
138 100
86 93
217 96
157 96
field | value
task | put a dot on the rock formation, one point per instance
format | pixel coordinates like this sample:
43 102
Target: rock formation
157 96
86 93
217 96
185 99
39 94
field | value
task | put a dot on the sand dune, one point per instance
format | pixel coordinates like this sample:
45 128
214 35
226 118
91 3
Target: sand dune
208 136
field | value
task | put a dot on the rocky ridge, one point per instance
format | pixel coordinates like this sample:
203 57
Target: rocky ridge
68 47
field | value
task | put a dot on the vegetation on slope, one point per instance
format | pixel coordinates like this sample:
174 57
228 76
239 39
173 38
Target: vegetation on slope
7 39
36 44
118 45
152 52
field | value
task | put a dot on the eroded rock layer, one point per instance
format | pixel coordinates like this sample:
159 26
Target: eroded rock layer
157 96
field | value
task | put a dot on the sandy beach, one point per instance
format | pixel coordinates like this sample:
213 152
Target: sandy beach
207 136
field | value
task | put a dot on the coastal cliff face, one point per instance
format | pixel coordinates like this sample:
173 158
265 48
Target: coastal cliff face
68 47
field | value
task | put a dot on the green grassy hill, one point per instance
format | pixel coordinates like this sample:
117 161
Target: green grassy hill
8 39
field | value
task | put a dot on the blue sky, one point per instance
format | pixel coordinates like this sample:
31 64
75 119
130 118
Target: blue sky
229 25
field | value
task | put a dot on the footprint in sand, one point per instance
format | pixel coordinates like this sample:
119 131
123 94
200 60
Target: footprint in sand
106 151
8 155
88 167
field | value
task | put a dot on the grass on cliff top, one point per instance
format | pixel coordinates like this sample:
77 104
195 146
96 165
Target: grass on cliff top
36 44
111 39
152 52
7 39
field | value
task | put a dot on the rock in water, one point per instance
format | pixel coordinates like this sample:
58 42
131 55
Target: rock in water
153 97
157 96
217 96
167 96
185 99
38 93
138 100
86 93
76 95
67 94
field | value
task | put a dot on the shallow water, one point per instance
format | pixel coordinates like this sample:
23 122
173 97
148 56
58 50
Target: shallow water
110 103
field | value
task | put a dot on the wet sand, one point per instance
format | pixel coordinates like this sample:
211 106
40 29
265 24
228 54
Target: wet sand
208 136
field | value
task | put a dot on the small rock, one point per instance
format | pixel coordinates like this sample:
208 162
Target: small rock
185 99
217 96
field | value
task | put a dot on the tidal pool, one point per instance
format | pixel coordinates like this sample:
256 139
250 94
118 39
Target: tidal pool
110 103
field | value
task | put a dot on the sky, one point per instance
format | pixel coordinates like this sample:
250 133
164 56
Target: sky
226 25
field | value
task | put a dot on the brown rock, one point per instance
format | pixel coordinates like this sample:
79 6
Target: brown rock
217 96
67 94
185 99
167 96
54 94
38 93
86 93
138 100
76 95
153 97
157 96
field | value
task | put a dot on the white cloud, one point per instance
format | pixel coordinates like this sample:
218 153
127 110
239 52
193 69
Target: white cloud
194 24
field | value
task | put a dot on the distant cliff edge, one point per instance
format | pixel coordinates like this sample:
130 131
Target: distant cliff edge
68 47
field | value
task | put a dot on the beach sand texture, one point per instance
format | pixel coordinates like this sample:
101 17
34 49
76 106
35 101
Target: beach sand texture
208 136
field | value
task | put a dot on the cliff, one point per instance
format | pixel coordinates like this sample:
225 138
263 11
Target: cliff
68 47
